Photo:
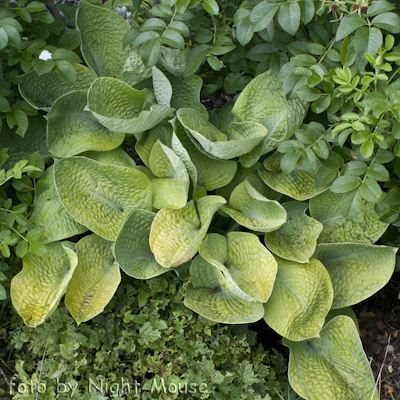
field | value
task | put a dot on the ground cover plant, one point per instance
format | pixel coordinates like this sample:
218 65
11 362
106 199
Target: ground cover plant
269 207
146 335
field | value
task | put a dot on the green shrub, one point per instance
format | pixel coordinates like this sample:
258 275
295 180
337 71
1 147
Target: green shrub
17 186
27 29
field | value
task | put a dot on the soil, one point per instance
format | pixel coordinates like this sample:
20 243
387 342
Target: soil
213 103
379 322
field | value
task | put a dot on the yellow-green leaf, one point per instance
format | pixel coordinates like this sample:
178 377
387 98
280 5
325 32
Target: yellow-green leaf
95 280
264 102
118 107
42 91
242 137
211 173
300 184
38 288
301 299
100 196
253 211
171 184
72 130
116 157
176 234
366 228
102 32
333 366
248 267
132 249
48 213
297 238
357 270
211 297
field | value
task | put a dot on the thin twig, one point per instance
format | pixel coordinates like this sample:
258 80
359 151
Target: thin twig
54 11
6 379
378 378
41 366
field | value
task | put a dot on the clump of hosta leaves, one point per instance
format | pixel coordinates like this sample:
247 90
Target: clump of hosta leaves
239 202
17 186
145 334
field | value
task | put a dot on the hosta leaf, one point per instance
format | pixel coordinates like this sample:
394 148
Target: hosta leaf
111 100
183 154
300 184
171 185
348 311
193 122
366 228
248 134
225 117
38 288
212 298
134 70
144 145
174 60
72 130
211 173
297 238
102 32
176 234
21 148
333 366
252 210
132 249
257 97
48 213
42 91
162 87
186 93
252 176
301 299
95 280
357 271
116 157
109 193
148 119
249 269
118 107
263 101
213 142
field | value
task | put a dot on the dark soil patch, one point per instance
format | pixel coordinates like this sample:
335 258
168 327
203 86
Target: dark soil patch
213 103
379 321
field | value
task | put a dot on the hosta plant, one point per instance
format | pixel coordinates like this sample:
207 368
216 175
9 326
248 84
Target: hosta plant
210 196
